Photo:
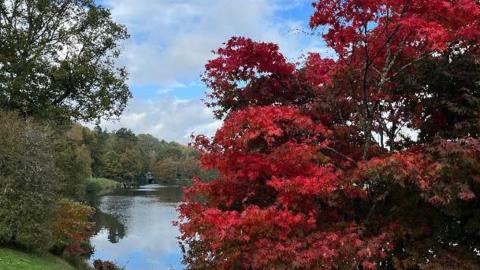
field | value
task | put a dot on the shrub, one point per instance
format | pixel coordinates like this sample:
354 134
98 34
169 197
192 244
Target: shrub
105 265
71 228
27 182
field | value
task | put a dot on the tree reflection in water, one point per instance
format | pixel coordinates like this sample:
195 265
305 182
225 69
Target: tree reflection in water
116 229
134 228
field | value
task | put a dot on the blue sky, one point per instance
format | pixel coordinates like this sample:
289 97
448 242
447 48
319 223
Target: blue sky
170 42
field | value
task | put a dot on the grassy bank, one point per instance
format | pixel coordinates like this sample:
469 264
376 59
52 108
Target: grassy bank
16 260
101 185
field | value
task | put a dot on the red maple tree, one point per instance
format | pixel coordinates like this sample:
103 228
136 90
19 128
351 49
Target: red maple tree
370 160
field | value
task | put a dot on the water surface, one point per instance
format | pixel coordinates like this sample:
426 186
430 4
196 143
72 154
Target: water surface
134 228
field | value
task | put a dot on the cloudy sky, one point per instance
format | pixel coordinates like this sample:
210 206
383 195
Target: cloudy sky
171 40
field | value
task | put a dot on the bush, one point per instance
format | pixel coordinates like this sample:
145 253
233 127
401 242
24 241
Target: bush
100 186
105 265
27 182
71 228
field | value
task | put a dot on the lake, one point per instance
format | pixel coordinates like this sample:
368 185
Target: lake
134 228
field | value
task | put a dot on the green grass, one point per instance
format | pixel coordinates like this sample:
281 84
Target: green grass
102 185
16 260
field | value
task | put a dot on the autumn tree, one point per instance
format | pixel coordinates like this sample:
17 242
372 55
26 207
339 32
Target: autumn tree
71 228
369 160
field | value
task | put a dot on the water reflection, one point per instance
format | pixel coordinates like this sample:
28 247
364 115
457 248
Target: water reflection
116 230
134 228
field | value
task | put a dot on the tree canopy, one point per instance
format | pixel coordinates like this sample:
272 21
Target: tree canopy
369 160
57 60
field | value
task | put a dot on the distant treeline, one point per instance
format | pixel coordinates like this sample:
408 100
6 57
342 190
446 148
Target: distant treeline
125 157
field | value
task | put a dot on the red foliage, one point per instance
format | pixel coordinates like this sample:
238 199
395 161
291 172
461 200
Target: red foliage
272 155
412 27
378 41
71 229
252 73
257 144
318 70
434 170
315 168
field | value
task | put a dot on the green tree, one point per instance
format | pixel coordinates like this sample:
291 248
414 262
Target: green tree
111 160
149 145
171 150
166 170
27 182
96 142
57 60
73 162
124 159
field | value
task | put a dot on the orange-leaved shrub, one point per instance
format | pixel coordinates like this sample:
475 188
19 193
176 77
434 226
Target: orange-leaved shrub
71 228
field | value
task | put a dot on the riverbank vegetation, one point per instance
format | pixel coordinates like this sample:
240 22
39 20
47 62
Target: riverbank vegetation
367 160
57 67
101 186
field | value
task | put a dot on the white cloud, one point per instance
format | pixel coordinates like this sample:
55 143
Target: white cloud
167 118
172 40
